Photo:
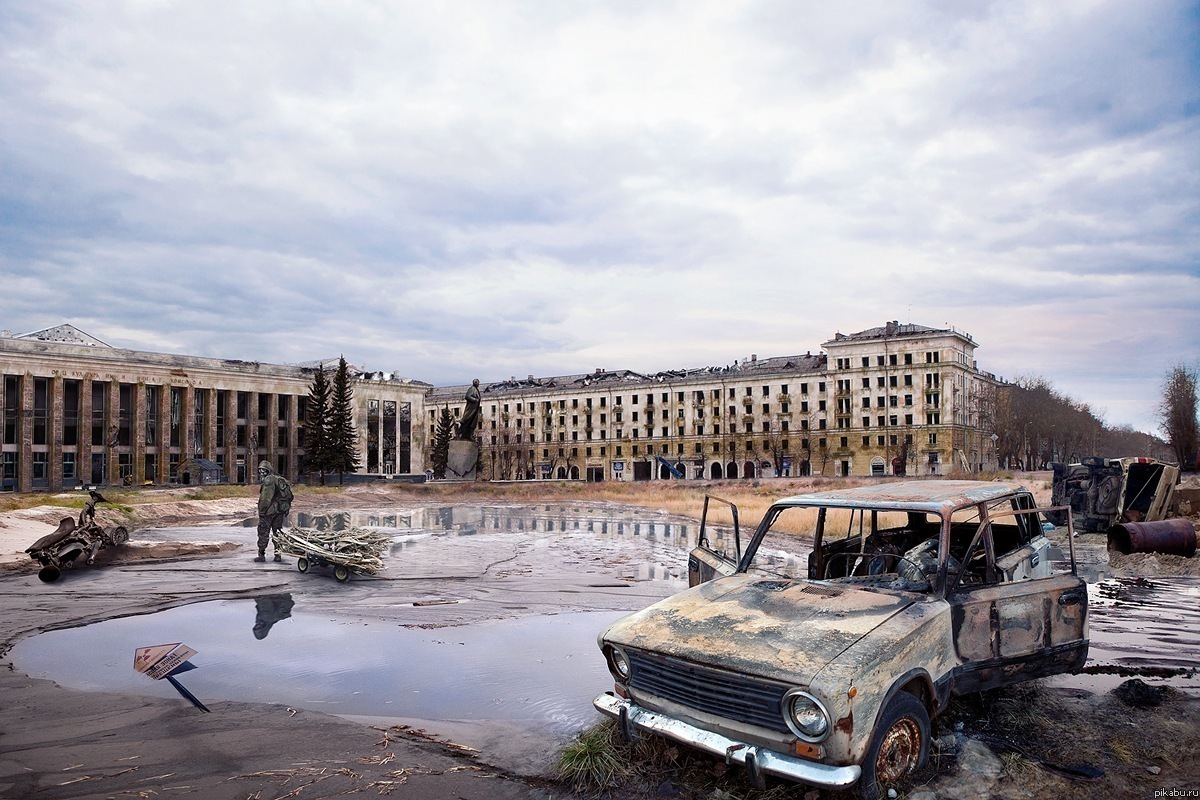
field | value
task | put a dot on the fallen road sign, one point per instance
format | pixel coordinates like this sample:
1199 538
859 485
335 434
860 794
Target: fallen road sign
168 663
146 657
165 660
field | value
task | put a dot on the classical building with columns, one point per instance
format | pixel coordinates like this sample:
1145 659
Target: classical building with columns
78 412
900 399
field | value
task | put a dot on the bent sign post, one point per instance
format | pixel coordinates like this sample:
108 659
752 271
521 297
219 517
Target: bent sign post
164 661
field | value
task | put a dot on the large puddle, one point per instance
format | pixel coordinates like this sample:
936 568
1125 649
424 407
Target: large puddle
270 650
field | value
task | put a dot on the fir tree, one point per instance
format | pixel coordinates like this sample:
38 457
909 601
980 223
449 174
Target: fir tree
316 424
441 443
343 441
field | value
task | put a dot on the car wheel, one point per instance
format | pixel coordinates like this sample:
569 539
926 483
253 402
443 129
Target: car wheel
899 746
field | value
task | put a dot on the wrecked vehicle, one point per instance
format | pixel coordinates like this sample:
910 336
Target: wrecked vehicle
827 669
1103 492
60 550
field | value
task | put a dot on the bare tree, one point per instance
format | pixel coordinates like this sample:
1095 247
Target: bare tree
1177 414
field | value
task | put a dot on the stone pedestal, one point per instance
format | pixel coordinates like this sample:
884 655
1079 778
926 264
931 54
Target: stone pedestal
460 463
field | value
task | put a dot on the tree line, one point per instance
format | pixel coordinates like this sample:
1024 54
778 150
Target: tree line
1036 424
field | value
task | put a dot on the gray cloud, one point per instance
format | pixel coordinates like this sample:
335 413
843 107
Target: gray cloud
501 189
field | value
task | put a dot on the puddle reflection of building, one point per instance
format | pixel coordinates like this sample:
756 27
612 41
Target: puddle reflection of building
601 523
345 520
269 609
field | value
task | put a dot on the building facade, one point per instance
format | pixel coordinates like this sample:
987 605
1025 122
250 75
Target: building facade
77 412
901 399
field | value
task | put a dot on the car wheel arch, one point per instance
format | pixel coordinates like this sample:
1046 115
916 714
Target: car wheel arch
919 684
916 682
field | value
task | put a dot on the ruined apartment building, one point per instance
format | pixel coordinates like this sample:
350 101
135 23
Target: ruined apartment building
78 412
900 399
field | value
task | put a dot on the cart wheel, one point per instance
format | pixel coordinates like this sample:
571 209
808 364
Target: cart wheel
49 573
342 573
302 564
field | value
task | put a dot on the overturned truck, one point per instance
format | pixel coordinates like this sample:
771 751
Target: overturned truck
1103 492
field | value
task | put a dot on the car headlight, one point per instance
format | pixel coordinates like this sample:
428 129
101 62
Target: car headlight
805 715
618 664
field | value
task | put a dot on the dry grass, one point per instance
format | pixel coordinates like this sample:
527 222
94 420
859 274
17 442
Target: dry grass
124 498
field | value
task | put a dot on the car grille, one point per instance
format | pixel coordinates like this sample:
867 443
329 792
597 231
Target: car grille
712 691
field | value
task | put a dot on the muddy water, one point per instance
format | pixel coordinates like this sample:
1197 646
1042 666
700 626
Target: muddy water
482 626
1140 627
271 650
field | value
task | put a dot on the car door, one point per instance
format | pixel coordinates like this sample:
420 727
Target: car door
718 551
1008 631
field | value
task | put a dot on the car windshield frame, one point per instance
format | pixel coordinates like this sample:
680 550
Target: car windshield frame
941 499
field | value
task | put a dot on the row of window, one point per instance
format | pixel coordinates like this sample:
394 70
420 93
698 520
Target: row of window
889 360
103 429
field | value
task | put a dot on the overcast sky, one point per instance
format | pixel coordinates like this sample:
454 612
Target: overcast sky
497 188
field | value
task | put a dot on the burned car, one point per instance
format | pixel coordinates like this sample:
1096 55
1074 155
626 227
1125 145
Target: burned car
1103 492
825 667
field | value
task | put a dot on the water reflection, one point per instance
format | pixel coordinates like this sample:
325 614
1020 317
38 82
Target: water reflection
269 609
667 539
361 668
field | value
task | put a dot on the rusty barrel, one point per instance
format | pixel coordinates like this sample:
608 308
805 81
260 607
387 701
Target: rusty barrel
1174 537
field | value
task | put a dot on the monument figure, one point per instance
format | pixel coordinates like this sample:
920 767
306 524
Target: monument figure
470 417
463 455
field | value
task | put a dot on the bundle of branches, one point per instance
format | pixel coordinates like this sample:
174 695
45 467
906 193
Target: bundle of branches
357 548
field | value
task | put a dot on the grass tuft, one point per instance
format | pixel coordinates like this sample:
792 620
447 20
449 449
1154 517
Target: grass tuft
596 759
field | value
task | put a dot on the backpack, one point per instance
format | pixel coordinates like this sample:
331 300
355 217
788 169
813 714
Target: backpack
283 495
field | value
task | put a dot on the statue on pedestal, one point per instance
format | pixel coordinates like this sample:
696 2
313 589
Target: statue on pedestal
470 416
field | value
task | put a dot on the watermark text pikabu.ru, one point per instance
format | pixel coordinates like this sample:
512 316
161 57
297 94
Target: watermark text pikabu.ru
1177 792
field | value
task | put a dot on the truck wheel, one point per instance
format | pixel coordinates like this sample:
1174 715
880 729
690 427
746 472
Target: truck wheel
899 746
341 573
302 564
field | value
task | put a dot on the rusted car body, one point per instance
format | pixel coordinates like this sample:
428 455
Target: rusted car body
826 669
1103 492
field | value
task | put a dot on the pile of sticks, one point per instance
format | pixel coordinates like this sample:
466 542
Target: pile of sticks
359 549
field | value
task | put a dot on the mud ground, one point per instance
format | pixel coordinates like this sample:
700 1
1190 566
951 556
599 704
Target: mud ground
58 743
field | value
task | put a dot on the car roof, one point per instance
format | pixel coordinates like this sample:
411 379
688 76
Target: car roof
938 497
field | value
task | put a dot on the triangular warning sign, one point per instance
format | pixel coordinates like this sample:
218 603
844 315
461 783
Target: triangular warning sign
146 657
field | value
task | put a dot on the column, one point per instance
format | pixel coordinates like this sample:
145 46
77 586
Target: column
25 435
54 406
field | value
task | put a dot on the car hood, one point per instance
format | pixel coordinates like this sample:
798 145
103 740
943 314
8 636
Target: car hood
777 629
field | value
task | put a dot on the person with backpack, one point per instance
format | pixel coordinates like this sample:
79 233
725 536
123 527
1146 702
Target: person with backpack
274 503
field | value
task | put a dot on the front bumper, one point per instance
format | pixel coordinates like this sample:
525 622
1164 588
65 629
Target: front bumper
755 759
